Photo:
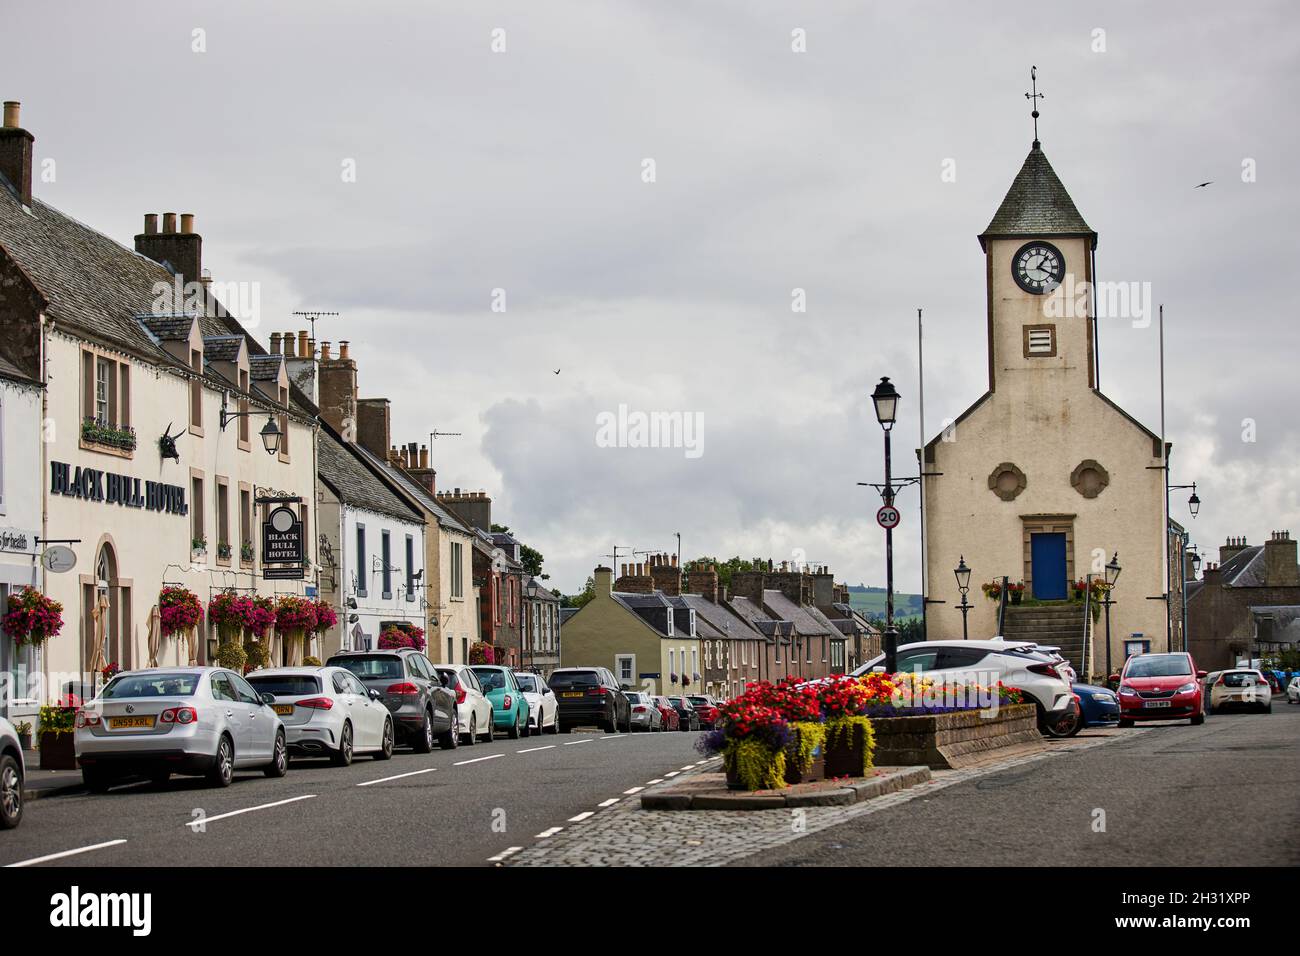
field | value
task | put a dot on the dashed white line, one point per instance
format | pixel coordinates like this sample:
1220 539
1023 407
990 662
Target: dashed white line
533 750
582 816
609 803
672 773
628 793
59 856
461 763
508 851
612 736
548 833
413 773
574 743
655 780
204 821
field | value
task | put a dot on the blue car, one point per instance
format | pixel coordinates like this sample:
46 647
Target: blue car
1099 705
509 707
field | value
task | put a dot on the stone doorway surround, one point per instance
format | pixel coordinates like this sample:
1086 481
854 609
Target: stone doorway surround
1046 524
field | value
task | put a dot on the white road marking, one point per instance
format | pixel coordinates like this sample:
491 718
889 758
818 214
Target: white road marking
613 736
672 773
533 750
461 763
573 743
582 816
508 851
203 821
628 793
413 773
655 780
548 833
59 856
609 803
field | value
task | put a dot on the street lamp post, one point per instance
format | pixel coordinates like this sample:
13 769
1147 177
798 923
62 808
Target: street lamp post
962 574
885 399
1112 575
1194 506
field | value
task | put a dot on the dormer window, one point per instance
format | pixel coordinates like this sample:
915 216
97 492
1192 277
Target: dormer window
669 613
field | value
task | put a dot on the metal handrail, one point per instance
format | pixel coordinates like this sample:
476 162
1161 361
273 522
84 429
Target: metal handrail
1002 608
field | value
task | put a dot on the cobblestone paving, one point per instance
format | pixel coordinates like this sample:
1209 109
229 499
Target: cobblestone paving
626 835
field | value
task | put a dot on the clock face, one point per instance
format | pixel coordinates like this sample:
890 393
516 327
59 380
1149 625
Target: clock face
1038 267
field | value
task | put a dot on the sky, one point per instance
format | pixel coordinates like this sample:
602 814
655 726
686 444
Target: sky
629 193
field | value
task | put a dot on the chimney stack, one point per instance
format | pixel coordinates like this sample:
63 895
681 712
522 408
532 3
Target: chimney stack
182 251
666 576
1280 569
703 582
638 582
1232 546
337 384
16 154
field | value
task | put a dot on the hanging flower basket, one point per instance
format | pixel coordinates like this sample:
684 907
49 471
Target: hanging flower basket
295 618
179 610
230 613
325 617
261 616
992 590
32 617
394 638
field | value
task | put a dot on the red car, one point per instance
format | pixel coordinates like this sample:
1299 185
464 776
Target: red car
707 708
1161 687
671 720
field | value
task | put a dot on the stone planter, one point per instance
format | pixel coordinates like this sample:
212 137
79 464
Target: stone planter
950 741
845 752
58 751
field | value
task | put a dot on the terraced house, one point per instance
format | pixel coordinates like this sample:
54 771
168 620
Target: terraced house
167 428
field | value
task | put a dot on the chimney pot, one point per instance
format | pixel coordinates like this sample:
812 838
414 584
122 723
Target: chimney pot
302 344
343 349
324 351
275 343
11 114
151 224
187 223
288 345
424 456
169 222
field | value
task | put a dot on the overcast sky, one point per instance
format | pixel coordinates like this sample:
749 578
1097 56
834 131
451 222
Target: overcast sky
522 170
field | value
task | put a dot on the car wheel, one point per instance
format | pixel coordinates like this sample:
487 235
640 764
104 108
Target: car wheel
1067 726
1197 720
555 723
11 793
342 757
1125 723
385 751
513 733
279 764
451 739
423 744
96 781
472 738
223 766
491 733
1268 708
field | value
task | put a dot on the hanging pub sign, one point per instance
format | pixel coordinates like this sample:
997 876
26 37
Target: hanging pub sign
282 545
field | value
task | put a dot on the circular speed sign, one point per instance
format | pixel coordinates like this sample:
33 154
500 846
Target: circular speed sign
887 516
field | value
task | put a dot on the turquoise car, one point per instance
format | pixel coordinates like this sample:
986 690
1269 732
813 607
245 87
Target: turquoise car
509 708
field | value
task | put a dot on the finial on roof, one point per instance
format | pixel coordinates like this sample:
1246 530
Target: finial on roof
1033 98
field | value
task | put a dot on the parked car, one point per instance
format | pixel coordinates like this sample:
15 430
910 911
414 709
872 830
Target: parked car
12 774
645 713
590 696
423 710
199 721
1161 687
1016 664
473 709
543 709
327 711
1099 706
1293 690
687 717
668 712
1239 687
509 706
707 708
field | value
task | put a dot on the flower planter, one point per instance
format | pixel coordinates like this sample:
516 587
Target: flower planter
847 752
58 751
25 740
954 740
1015 596
816 770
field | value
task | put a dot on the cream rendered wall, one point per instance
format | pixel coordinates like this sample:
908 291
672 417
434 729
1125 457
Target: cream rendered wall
20 518
458 616
1043 416
603 630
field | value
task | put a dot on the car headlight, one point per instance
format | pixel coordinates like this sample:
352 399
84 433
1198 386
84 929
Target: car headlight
1126 691
1104 698
1186 688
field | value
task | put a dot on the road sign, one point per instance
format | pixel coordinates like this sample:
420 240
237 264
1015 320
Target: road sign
59 558
887 516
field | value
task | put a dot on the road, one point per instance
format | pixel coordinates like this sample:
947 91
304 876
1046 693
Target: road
1224 794
461 807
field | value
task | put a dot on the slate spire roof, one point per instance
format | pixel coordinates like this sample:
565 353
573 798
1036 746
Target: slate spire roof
1037 205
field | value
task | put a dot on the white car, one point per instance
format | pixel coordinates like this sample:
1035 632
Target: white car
327 711
1293 691
11 777
1239 687
1063 665
1018 665
473 709
543 708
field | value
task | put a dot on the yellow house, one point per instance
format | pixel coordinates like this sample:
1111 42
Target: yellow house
646 637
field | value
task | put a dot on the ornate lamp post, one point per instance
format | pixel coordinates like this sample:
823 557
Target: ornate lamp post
885 399
1112 575
962 574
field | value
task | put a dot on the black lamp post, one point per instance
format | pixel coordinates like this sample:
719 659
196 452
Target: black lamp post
885 398
1112 575
963 585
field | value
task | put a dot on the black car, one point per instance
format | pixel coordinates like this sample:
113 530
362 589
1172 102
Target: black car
590 696
688 717
423 709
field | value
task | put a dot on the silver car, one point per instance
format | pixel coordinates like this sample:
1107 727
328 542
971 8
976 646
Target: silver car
11 777
645 713
199 721
543 709
327 712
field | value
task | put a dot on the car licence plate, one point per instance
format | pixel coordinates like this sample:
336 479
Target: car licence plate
129 723
284 710
573 693
1156 703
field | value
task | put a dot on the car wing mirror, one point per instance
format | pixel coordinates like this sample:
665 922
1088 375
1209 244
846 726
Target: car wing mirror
1200 674
268 699
1113 677
374 694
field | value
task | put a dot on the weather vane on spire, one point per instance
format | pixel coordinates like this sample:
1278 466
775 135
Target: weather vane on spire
1033 98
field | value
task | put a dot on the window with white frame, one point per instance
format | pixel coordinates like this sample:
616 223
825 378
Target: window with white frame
457 578
625 668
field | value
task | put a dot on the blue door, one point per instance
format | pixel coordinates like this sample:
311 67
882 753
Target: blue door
1048 556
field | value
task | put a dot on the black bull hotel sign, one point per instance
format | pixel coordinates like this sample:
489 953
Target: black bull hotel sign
95 484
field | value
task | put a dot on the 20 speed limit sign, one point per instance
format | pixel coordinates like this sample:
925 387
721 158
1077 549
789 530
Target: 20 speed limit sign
887 516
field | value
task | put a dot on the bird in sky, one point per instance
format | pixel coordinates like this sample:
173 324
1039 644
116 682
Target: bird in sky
557 371
1203 185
